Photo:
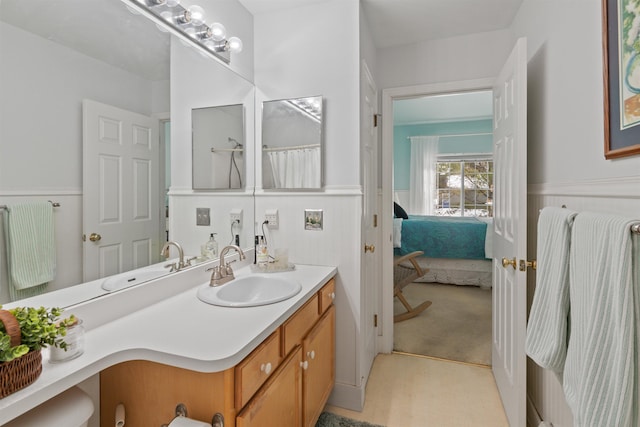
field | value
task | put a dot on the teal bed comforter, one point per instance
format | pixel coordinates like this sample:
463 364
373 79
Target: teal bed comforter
443 237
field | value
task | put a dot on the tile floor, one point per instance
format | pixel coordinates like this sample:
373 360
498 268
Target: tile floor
413 391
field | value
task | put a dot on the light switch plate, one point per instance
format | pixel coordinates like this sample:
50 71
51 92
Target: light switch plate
203 216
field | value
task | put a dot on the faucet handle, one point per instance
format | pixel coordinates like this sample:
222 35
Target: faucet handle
172 267
216 276
187 263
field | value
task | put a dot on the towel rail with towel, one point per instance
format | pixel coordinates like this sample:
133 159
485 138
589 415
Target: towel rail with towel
635 228
54 204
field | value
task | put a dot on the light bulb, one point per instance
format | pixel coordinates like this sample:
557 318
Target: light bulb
235 44
218 32
197 15
191 32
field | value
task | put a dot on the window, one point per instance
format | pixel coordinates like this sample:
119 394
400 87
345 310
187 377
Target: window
465 187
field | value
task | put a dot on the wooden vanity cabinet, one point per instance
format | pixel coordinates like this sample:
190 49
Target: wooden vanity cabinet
284 382
279 401
319 368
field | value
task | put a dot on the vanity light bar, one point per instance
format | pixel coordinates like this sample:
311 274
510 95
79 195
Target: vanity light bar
310 105
188 24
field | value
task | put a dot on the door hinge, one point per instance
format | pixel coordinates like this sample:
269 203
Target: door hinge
375 119
375 220
375 320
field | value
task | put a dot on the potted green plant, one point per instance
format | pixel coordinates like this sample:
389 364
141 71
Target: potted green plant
24 331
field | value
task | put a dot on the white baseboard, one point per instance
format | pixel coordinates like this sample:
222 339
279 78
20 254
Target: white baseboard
347 396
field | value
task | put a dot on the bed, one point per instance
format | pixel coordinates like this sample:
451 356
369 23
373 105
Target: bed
457 250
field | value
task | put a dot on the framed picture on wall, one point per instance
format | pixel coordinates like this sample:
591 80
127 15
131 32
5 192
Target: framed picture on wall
621 47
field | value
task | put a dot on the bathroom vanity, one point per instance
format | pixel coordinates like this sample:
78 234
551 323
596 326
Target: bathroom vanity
157 345
286 379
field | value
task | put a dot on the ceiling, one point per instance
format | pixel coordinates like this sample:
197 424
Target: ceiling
443 108
398 22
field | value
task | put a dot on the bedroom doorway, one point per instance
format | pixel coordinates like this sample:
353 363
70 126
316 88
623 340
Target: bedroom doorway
443 178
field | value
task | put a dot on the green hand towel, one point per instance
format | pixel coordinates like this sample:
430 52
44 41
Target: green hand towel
31 252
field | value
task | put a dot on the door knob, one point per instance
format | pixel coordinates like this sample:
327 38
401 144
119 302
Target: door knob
94 237
369 248
524 264
509 262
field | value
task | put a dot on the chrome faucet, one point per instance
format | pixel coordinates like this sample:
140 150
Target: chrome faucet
223 273
165 253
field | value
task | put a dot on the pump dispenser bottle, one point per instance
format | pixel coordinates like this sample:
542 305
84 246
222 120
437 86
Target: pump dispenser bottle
210 248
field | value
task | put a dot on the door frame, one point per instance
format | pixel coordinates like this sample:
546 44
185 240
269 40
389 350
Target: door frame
385 339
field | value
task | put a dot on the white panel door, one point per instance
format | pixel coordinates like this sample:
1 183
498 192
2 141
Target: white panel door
371 257
121 214
510 233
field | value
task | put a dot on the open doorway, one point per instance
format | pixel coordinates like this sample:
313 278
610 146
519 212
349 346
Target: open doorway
442 192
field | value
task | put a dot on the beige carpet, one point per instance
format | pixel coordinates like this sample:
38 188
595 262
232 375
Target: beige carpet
457 326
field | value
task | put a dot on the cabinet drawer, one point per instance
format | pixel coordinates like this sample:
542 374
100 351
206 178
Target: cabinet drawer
279 402
299 324
256 368
327 295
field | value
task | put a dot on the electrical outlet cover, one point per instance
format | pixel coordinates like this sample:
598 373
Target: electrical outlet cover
203 216
271 215
236 215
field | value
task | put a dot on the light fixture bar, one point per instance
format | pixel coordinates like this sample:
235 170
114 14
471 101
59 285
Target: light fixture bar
189 25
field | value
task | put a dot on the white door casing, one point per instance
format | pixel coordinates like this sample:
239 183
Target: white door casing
120 190
386 219
371 256
510 233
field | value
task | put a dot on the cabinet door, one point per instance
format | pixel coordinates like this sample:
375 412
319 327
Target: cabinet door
279 402
319 367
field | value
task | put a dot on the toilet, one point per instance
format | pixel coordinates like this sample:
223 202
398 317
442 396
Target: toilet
73 408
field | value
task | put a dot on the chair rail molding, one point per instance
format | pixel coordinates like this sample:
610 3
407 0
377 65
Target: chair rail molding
628 187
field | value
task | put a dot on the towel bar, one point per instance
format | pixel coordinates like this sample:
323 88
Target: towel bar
54 204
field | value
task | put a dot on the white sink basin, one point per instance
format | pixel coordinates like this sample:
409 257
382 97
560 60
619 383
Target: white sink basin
249 291
130 278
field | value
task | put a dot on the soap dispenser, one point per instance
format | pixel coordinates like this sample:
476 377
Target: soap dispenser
210 248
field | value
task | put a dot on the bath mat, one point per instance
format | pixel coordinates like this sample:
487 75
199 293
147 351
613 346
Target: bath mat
327 419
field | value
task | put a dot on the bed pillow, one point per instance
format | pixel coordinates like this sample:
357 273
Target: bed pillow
397 232
399 212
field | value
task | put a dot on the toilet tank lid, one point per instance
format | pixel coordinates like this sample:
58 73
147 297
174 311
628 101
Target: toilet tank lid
70 408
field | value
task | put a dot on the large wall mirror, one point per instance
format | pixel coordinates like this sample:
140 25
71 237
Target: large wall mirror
218 147
292 143
54 55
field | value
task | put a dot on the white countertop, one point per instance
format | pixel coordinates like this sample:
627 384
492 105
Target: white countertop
177 330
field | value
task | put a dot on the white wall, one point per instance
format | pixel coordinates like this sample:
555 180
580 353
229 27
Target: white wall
314 50
566 92
566 140
469 57
198 82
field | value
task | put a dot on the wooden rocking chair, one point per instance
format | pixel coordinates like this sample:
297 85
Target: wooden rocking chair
402 276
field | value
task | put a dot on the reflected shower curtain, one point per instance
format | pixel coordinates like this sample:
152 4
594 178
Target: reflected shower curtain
422 175
298 168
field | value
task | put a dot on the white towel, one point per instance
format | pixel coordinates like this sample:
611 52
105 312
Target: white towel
546 341
601 369
31 256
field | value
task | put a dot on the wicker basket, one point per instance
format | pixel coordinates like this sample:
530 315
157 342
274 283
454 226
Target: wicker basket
22 371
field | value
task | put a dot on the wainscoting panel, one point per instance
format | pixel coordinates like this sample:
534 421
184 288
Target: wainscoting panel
619 196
